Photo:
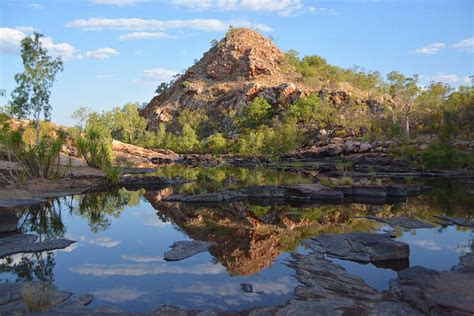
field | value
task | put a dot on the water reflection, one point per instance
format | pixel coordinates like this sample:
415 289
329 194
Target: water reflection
122 235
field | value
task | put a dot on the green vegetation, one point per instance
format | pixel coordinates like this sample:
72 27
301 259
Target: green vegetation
31 96
38 297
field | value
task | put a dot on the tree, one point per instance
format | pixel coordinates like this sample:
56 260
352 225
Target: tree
403 91
80 115
128 125
162 87
257 113
31 96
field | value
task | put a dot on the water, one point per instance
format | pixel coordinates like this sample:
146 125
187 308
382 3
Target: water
122 236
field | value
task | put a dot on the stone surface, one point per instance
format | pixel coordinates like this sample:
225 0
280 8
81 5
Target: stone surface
8 222
404 222
313 191
364 247
264 191
446 220
24 243
369 190
206 197
149 181
184 249
436 293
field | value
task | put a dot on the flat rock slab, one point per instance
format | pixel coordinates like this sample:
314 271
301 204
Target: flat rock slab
206 197
313 191
20 202
26 243
184 249
369 190
436 293
455 221
404 222
8 222
364 247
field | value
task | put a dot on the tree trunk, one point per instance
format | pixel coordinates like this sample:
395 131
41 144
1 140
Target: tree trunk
407 126
38 128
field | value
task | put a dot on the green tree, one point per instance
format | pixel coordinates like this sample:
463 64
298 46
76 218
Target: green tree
404 92
128 125
80 115
256 113
31 96
216 143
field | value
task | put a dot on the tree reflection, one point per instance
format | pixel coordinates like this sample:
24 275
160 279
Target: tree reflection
44 219
36 266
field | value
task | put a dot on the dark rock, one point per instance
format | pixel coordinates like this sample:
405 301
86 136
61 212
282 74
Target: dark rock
313 191
25 243
20 202
8 222
370 190
435 293
404 222
184 249
264 191
147 181
446 220
364 247
206 197
347 190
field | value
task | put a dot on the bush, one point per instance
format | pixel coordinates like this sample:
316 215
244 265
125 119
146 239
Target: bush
96 149
35 160
258 112
216 144
38 297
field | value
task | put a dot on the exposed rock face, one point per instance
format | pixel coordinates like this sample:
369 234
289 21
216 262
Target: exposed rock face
446 220
242 66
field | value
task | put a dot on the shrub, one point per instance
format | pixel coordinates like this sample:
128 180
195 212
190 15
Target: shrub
256 113
38 297
96 149
216 143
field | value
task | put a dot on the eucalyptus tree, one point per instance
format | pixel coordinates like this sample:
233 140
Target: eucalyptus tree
31 96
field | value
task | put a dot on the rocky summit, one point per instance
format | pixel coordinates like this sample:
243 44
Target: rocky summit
240 67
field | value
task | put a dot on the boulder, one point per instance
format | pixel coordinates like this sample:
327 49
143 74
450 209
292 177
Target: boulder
264 191
8 222
447 220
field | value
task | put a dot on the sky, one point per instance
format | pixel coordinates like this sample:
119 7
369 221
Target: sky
118 51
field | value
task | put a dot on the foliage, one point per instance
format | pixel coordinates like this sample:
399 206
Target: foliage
162 87
31 96
80 115
258 112
38 297
216 144
96 148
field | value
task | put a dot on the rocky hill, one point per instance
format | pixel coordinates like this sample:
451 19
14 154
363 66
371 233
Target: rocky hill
242 66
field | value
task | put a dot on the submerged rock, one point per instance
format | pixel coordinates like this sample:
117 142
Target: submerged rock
184 249
206 197
364 247
8 222
404 222
25 243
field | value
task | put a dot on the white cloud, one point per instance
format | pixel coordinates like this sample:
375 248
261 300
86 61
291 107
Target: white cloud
282 7
101 53
446 78
430 49
142 259
135 24
10 40
466 44
117 295
25 29
118 3
106 242
144 36
426 244
156 75
138 269
36 5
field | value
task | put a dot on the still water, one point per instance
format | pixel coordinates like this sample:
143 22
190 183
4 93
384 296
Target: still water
122 235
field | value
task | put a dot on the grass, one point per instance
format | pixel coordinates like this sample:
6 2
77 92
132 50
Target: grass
38 297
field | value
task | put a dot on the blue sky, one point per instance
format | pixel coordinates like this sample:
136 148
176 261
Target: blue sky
118 51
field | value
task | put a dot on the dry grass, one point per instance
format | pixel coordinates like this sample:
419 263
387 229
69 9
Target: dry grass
38 297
